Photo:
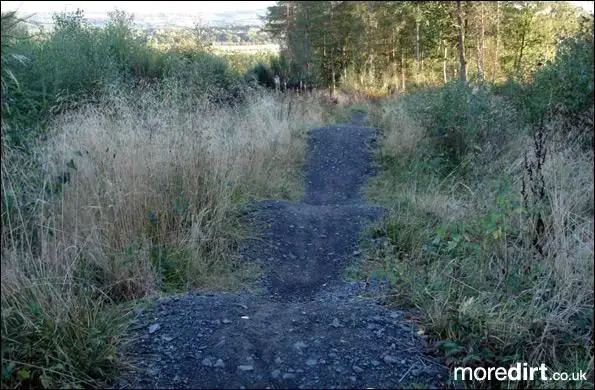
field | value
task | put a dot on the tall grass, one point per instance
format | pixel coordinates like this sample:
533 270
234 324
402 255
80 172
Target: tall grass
127 198
466 247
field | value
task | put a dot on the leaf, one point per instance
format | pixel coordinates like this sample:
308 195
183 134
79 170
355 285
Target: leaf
23 374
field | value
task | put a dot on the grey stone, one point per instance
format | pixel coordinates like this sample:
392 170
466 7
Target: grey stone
388 359
311 362
154 328
358 369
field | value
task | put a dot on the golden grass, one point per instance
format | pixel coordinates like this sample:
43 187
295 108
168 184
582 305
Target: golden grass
149 206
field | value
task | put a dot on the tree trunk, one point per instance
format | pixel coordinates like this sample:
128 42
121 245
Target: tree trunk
480 45
520 56
444 62
403 71
417 59
495 70
463 75
332 49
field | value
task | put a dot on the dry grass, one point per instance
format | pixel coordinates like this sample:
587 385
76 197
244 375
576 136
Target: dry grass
404 133
148 206
461 251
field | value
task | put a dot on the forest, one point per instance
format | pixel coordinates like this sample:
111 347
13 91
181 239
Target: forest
393 45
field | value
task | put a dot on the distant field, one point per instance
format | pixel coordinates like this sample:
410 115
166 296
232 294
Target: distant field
269 47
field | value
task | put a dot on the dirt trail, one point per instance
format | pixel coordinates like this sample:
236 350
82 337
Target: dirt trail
310 328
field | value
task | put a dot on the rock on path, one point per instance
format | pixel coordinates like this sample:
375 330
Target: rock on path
309 329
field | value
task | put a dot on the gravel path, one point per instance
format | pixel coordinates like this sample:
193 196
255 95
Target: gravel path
309 328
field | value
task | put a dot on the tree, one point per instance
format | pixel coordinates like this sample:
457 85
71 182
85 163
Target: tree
461 29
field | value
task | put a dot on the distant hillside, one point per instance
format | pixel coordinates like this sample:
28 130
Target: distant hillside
169 20
234 27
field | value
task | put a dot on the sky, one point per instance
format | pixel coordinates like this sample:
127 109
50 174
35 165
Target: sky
587 5
191 7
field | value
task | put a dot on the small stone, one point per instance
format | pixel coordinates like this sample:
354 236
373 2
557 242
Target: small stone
246 367
390 360
299 345
288 376
278 360
167 339
375 362
403 362
311 362
335 323
353 379
358 369
275 374
226 321
355 253
208 362
154 328
219 364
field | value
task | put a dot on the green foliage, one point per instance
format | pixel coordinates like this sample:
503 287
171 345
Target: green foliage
476 237
398 45
38 82
566 83
262 74
72 347
203 73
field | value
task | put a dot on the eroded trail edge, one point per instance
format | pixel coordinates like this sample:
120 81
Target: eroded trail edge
309 328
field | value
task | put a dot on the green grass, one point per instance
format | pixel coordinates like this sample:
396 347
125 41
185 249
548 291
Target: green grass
461 241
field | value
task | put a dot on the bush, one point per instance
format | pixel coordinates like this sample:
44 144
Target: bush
263 75
490 232
565 84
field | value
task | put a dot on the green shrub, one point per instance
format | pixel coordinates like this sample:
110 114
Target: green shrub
262 74
565 84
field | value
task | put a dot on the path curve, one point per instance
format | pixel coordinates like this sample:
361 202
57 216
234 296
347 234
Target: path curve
309 328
